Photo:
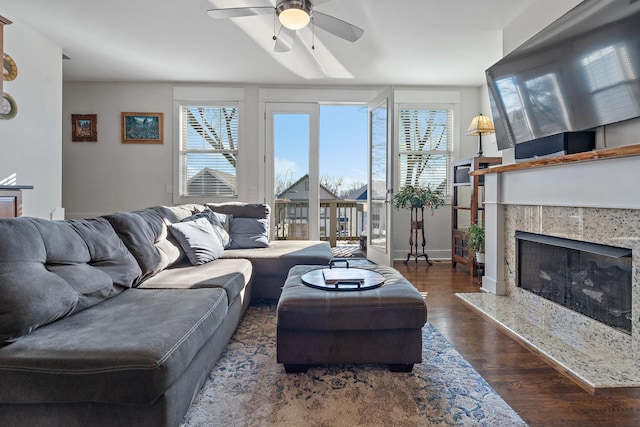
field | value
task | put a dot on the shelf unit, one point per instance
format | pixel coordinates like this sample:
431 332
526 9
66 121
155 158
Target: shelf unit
467 208
11 200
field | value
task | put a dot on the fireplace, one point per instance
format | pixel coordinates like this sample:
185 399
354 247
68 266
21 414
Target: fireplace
595 201
592 279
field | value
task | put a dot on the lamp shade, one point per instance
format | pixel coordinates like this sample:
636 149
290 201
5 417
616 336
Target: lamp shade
481 125
294 14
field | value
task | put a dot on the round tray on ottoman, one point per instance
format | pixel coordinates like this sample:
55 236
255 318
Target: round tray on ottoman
378 325
342 279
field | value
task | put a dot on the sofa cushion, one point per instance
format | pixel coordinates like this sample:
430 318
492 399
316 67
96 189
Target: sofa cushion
108 253
281 255
247 233
91 285
145 235
198 240
232 275
21 242
271 265
62 243
30 297
47 271
68 257
89 256
242 210
127 350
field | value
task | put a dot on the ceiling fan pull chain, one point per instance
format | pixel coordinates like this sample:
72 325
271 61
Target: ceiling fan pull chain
274 25
313 34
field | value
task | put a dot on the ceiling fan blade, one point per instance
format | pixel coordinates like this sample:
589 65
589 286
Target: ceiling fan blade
239 12
337 27
285 39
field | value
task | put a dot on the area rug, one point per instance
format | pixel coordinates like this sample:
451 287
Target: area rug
248 388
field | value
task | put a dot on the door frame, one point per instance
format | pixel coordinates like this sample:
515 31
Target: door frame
383 257
313 111
295 95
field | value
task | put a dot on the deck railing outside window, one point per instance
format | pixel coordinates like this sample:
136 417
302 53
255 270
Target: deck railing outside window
339 220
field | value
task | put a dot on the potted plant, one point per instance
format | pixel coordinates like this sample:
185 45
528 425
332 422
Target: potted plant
475 241
411 196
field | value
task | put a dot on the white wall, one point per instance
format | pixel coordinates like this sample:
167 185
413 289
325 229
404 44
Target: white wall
30 143
109 176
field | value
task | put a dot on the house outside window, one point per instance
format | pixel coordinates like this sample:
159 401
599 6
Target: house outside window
208 153
425 147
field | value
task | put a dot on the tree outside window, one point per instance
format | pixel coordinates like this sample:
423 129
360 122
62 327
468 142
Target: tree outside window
425 137
209 151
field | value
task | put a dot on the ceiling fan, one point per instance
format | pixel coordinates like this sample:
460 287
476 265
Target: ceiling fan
293 15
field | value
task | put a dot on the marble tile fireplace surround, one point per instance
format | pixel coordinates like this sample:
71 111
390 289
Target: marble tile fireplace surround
595 201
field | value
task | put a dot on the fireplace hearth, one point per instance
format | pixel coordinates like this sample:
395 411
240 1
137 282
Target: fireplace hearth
588 278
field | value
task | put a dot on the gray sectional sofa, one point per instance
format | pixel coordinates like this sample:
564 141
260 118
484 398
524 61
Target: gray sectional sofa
106 322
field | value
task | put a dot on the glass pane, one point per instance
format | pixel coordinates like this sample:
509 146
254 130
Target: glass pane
343 173
210 174
209 143
424 139
379 178
291 176
426 170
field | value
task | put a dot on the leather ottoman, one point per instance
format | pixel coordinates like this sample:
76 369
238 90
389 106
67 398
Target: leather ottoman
381 325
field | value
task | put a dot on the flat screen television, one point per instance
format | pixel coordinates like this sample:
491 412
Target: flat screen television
579 73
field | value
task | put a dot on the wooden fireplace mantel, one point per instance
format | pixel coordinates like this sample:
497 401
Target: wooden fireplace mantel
605 153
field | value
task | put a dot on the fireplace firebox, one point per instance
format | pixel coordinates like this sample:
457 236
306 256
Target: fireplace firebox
589 278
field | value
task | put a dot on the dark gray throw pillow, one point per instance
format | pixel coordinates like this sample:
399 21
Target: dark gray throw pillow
247 233
198 240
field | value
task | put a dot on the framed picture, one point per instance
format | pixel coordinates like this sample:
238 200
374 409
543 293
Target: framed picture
84 127
142 128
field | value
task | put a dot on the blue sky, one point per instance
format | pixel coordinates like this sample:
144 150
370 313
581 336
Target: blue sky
343 144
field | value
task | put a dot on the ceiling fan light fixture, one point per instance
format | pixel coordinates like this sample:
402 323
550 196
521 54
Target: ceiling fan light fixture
294 14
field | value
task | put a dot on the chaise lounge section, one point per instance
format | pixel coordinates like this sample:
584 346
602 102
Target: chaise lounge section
105 321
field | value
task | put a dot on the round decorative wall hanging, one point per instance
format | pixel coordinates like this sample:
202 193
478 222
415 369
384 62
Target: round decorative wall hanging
9 68
8 107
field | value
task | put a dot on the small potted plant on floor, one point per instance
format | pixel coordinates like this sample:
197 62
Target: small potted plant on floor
475 241
411 196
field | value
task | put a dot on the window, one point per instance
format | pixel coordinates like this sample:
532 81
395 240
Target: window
425 137
208 150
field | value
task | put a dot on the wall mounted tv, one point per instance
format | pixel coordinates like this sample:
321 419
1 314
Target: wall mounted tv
581 72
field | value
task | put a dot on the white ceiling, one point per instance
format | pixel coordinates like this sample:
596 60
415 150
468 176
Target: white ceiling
406 42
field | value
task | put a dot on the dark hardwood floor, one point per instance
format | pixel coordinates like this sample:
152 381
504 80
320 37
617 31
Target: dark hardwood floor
540 394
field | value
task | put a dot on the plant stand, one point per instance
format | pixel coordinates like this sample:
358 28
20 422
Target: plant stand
416 235
479 272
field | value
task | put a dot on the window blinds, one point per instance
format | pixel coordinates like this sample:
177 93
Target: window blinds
425 140
208 150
